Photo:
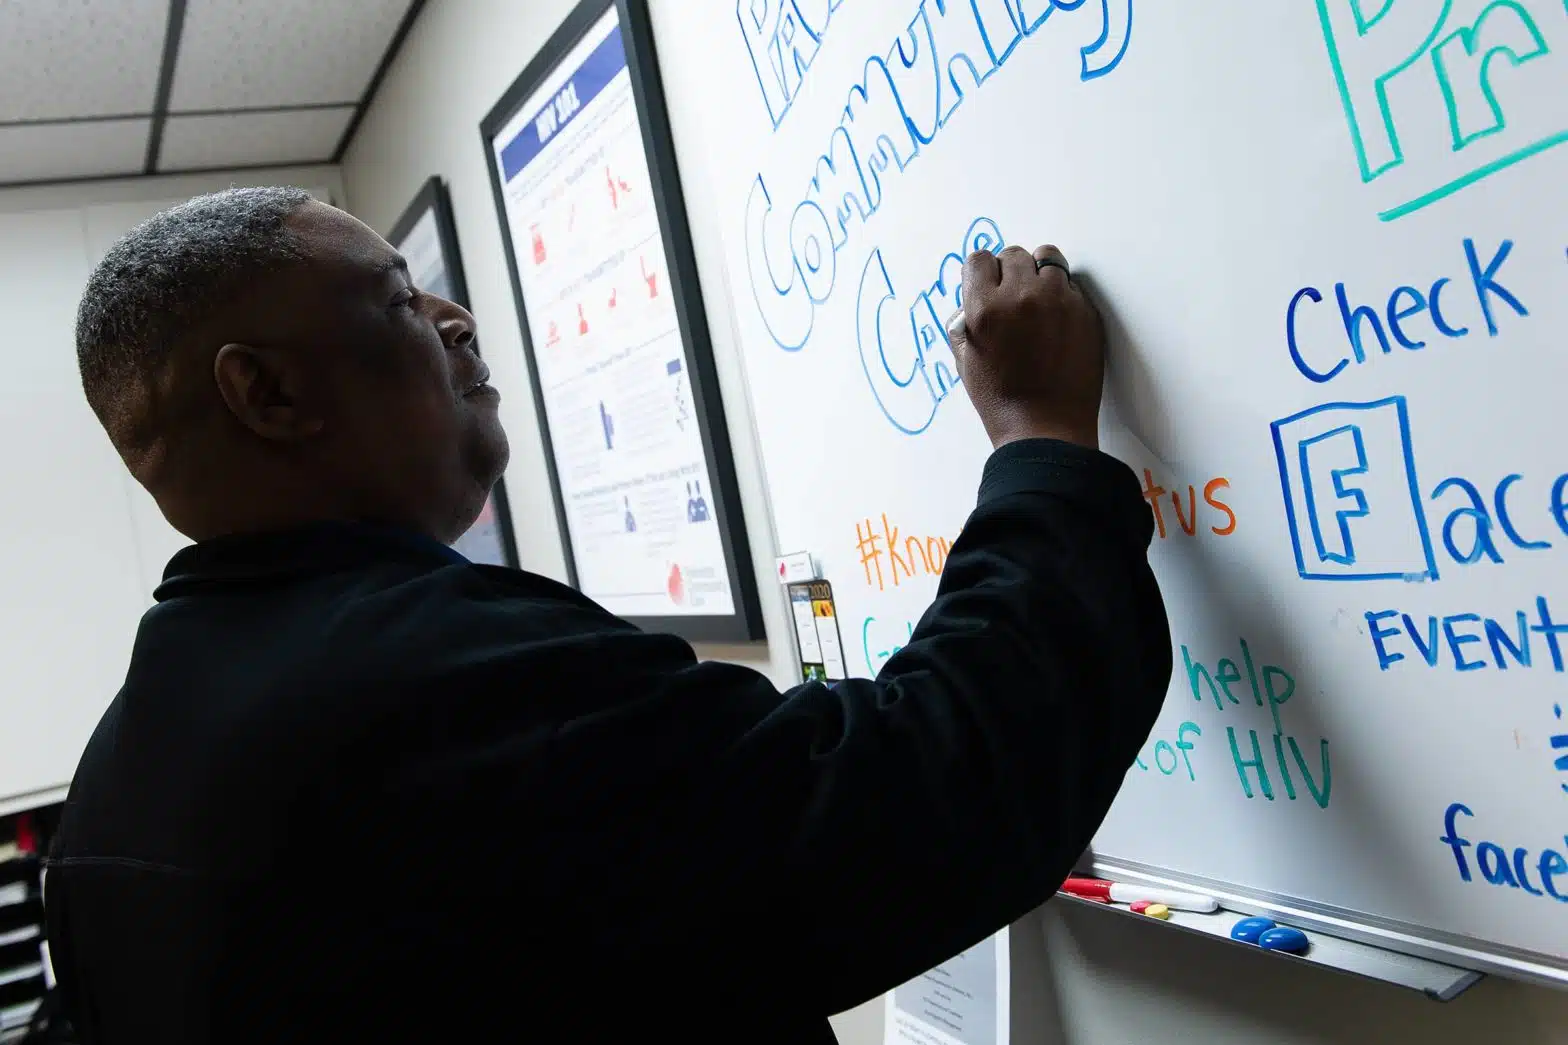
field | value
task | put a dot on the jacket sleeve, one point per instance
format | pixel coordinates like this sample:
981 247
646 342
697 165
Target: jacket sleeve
901 820
820 846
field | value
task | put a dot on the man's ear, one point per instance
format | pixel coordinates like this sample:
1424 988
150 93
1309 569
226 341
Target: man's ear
266 391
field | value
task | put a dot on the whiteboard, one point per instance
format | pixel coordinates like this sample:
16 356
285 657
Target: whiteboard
1331 239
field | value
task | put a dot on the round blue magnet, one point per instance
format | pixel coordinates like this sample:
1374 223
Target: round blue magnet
1250 930
1284 938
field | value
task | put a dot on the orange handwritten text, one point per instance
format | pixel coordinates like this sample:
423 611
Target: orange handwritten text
891 557
1216 515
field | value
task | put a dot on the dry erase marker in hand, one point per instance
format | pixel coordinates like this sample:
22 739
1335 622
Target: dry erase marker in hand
955 326
1118 892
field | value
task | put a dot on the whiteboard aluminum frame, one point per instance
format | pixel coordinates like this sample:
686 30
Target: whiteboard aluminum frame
1387 934
1437 981
744 624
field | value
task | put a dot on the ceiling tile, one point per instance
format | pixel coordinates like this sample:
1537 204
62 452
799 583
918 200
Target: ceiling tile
241 53
49 151
250 138
62 58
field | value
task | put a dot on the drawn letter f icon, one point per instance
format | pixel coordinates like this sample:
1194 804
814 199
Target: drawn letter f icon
1347 503
1352 500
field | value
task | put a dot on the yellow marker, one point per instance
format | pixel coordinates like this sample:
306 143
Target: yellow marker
1158 910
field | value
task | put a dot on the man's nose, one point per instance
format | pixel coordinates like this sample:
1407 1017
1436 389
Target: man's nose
455 324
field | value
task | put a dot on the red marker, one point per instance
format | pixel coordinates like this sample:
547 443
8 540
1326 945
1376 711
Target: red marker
1119 892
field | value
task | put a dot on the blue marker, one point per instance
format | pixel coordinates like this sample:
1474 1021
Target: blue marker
1284 938
1249 930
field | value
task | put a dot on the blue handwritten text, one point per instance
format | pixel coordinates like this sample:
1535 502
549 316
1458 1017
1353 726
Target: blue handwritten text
905 97
1498 866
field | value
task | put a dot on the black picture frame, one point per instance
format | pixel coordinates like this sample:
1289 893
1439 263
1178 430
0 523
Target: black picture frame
745 622
433 200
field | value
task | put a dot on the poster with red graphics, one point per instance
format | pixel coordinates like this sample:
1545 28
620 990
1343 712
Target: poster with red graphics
613 370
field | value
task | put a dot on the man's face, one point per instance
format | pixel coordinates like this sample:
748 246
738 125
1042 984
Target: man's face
410 429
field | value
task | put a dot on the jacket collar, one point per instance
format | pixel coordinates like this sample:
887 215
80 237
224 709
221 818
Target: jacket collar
320 548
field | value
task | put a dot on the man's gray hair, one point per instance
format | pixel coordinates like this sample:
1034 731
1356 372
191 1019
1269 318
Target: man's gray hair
165 275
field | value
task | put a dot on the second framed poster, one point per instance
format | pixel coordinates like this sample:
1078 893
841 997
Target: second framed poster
606 287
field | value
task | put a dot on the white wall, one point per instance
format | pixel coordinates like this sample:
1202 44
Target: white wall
106 210
1101 982
83 545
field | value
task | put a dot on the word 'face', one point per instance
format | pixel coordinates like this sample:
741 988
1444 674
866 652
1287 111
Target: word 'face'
1357 511
1533 874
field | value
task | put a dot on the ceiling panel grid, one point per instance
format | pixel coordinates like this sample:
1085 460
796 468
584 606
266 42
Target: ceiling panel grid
69 59
95 149
246 139
239 54
107 88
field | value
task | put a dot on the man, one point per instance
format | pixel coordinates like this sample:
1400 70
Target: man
356 789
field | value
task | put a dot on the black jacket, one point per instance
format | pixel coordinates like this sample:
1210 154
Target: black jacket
356 789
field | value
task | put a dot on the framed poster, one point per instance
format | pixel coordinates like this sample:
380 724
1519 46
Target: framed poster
427 238
600 256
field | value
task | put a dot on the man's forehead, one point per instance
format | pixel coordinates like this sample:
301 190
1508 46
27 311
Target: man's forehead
340 240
